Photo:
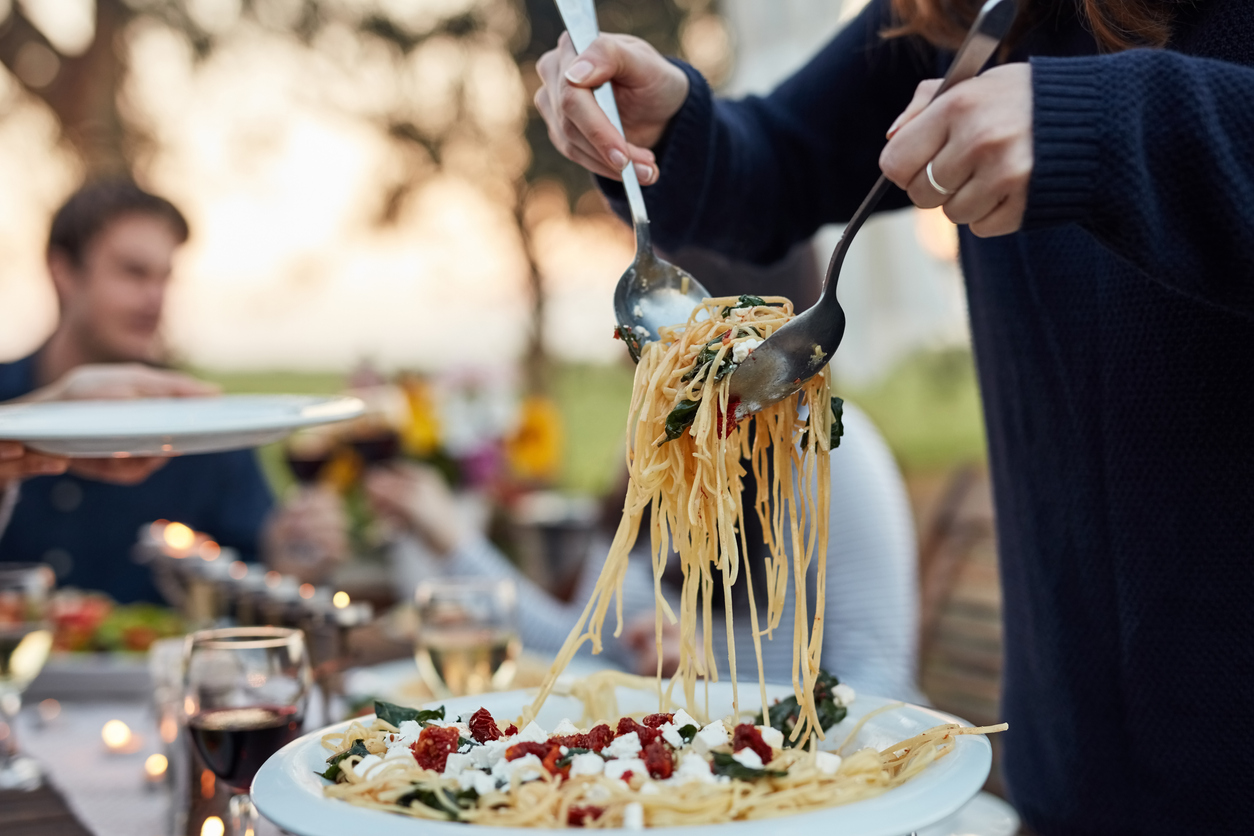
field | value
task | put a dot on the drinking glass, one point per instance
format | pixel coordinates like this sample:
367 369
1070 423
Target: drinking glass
25 640
245 691
467 639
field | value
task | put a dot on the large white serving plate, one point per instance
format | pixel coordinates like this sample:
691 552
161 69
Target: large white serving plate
288 793
167 426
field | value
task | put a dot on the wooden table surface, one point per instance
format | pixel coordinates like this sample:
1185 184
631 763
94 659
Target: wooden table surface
41 812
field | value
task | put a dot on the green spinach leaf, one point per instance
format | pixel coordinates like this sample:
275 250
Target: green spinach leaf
749 301
838 421
725 764
333 771
397 714
680 419
441 800
784 714
688 732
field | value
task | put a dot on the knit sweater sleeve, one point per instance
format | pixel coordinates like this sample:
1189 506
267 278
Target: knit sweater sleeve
752 177
1153 153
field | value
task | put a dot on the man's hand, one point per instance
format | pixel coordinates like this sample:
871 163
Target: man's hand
17 462
978 138
648 89
121 381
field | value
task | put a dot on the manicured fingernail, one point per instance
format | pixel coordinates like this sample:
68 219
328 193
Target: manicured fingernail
644 173
618 159
892 129
579 71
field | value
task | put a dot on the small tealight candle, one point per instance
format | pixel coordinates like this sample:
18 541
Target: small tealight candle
213 826
118 738
155 767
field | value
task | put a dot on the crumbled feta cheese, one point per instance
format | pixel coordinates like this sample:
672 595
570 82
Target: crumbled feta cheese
597 793
526 768
683 718
462 728
481 782
710 737
742 349
693 767
670 733
633 817
747 757
624 746
827 762
456 763
491 752
586 763
650 788
407 735
772 736
365 764
532 734
641 331
566 727
619 768
637 312
395 752
844 695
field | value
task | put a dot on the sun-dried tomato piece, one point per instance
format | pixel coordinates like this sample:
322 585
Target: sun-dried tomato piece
550 762
434 745
526 748
597 738
657 757
747 734
578 816
482 727
654 721
511 731
647 735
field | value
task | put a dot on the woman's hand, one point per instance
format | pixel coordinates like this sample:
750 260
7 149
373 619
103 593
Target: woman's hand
649 91
308 536
978 138
418 498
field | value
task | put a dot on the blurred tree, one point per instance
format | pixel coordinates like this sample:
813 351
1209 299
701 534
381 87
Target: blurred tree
463 76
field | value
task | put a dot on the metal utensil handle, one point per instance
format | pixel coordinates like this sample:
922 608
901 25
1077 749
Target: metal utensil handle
580 17
991 26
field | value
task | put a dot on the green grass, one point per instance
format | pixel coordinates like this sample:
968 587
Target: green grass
928 408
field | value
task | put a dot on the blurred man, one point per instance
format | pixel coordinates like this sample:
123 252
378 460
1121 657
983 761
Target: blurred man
110 256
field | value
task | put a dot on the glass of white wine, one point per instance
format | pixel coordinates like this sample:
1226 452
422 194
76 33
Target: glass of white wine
467 639
25 640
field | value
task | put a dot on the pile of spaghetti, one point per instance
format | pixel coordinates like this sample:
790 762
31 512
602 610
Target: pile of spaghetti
686 464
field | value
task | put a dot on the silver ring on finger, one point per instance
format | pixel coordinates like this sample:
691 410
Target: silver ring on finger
931 178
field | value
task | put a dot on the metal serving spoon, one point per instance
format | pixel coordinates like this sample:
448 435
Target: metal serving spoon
652 292
795 353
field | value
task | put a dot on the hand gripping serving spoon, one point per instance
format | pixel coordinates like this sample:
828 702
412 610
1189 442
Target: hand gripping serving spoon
652 292
795 353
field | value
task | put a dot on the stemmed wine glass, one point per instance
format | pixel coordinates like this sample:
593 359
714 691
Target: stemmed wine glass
467 639
25 640
245 690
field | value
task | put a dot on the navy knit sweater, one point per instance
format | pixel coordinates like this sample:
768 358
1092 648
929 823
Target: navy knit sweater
1114 338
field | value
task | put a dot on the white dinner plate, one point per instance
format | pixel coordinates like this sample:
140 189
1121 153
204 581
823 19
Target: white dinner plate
167 426
288 793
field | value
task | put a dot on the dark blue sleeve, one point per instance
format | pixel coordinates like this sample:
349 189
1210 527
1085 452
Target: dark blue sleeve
1152 152
242 505
750 178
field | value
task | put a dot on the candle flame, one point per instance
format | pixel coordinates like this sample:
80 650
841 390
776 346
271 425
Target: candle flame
178 536
115 734
340 599
156 765
213 826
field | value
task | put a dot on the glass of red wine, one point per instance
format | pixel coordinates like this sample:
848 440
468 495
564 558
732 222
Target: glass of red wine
245 691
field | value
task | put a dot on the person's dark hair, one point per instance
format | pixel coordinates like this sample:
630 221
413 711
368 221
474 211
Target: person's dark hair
1116 24
96 205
